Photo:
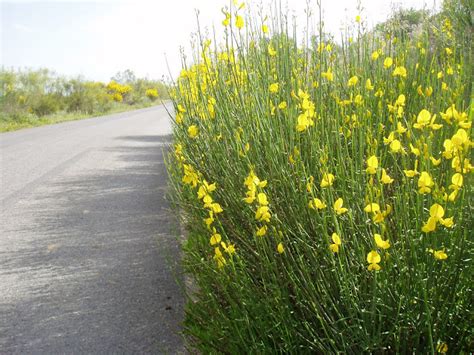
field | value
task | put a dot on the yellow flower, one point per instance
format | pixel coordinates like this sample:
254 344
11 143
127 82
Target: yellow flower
280 248
216 208
434 161
457 181
262 231
273 88
386 179
282 105
414 150
229 249
264 28
375 55
425 183
328 75
338 206
336 243
304 122
368 85
262 199
357 19
400 128
205 188
373 258
250 196
442 348
226 21
239 22
208 221
387 63
372 165
400 71
460 139
382 244
193 131
271 51
423 119
263 214
372 207
439 254
429 226
395 146
353 81
327 180
428 91
215 239
219 258
316 203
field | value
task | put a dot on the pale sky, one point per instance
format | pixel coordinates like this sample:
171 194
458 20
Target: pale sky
96 39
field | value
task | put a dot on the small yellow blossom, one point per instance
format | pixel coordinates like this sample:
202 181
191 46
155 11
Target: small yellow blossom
372 165
280 248
423 119
395 146
273 88
327 180
375 55
338 206
215 239
382 244
316 203
387 63
373 258
442 348
400 128
336 243
400 71
328 75
386 179
353 81
271 51
368 85
226 21
262 231
262 199
263 214
425 183
193 131
372 207
282 105
229 249
239 22
439 254
264 28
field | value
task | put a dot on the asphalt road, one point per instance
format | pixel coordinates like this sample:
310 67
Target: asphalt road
88 247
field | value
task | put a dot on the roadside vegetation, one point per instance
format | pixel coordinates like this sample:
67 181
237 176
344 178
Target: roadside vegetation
30 98
326 187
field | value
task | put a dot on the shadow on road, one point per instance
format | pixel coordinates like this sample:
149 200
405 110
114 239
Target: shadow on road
99 274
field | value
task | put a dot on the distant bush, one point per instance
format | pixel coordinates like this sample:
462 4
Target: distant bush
27 95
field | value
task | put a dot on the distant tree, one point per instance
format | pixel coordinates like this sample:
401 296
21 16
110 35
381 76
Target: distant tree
124 77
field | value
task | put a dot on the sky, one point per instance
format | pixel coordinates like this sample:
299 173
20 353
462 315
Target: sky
96 39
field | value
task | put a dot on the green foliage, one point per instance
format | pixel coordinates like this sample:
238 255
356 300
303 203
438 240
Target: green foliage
28 96
326 190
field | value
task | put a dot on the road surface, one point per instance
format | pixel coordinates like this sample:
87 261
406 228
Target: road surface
88 247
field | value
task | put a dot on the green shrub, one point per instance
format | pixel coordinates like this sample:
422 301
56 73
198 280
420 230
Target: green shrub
326 191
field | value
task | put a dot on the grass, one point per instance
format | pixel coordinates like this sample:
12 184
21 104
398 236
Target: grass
326 189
